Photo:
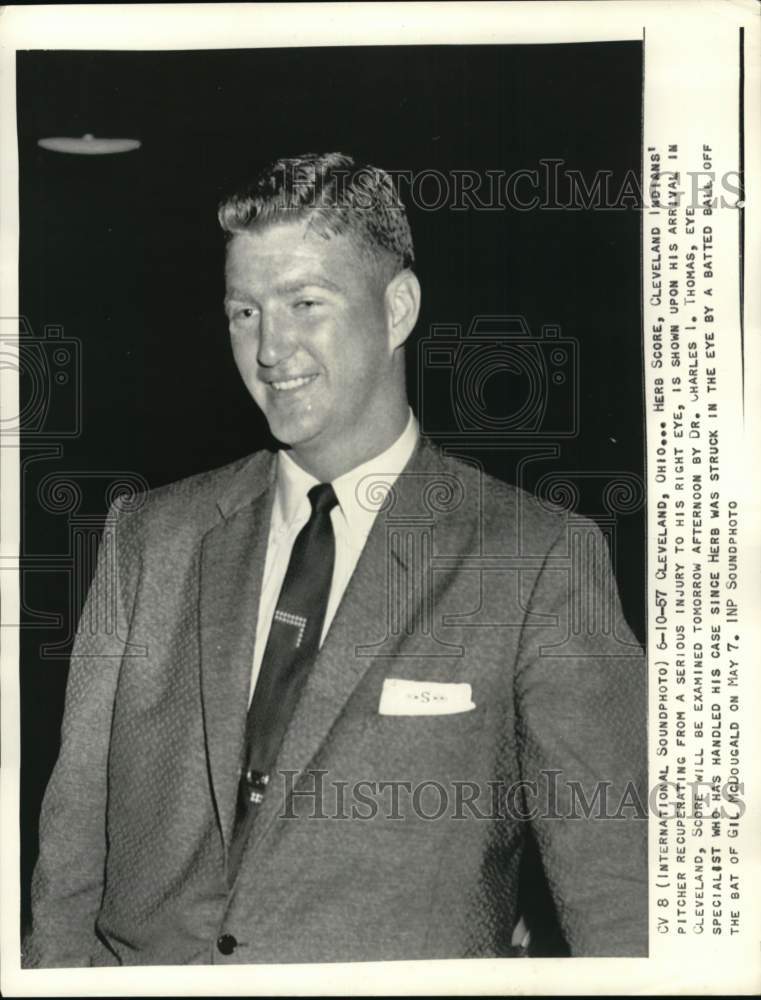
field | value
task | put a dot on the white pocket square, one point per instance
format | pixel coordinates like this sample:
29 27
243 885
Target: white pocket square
400 697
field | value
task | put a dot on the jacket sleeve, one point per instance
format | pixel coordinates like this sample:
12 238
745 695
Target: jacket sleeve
68 880
582 738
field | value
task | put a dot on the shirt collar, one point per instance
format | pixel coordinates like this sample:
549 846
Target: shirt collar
357 500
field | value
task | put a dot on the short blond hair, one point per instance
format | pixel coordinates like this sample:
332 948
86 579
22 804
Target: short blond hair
337 195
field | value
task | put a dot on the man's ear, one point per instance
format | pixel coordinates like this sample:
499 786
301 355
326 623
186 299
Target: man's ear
402 306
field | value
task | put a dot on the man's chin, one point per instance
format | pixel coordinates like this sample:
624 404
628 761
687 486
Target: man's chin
291 435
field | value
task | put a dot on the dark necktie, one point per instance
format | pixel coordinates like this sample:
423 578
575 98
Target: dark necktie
292 645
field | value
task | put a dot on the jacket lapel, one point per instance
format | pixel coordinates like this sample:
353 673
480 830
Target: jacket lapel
232 564
367 624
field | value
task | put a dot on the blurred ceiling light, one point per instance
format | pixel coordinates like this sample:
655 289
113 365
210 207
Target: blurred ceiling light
88 144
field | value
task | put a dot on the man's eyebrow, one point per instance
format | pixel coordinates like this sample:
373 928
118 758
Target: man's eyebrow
309 281
237 295
287 288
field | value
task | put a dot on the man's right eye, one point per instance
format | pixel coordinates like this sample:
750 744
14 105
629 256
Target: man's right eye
245 312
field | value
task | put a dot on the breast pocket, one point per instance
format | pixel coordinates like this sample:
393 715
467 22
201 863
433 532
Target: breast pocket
424 746
424 764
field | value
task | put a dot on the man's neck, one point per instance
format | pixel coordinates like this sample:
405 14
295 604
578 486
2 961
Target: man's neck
337 461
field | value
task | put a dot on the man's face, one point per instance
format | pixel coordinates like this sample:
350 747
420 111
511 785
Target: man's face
308 323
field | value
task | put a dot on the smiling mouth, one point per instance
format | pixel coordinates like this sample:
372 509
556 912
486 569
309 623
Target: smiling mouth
289 384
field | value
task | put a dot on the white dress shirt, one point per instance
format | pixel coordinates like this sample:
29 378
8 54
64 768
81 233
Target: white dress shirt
352 519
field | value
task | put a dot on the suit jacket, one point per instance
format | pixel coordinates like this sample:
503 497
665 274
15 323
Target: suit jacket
463 579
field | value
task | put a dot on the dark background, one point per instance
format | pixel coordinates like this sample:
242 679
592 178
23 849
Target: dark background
124 254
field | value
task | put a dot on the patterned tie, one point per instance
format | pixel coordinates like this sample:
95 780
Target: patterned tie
291 648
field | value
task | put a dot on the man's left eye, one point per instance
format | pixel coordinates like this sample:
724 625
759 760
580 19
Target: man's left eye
306 303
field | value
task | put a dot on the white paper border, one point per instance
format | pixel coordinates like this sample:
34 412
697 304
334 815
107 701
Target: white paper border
269 25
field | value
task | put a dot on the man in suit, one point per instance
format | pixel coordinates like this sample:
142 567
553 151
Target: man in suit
325 703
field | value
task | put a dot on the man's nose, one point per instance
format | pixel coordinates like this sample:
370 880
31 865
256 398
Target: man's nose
275 342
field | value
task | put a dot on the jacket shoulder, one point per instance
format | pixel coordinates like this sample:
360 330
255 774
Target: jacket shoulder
194 501
507 510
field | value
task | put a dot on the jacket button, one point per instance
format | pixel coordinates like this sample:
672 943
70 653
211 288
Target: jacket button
226 944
